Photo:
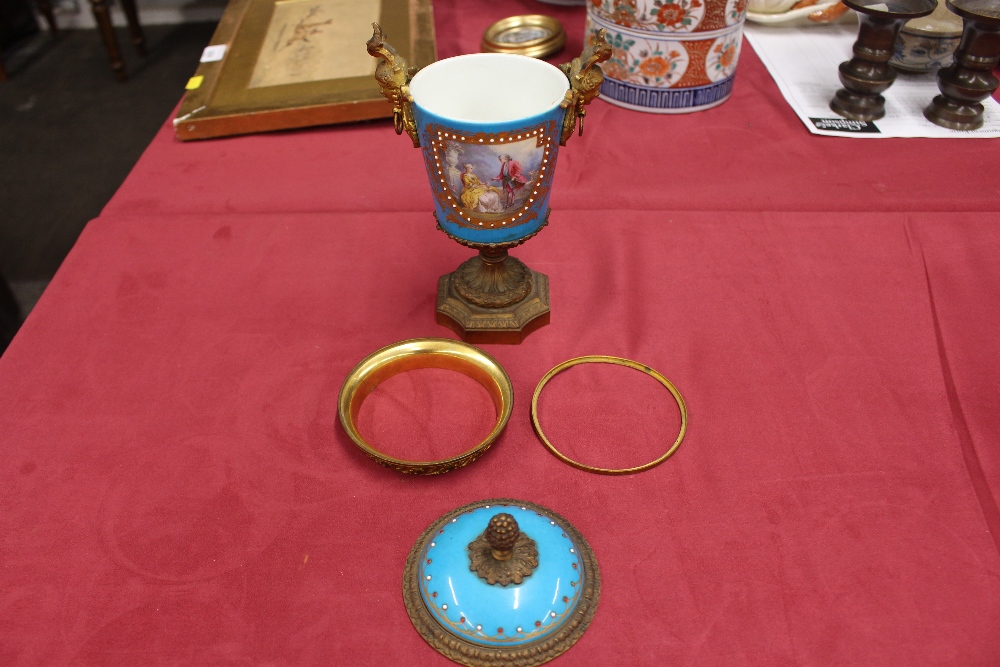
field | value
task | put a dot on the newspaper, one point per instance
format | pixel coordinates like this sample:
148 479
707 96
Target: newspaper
803 62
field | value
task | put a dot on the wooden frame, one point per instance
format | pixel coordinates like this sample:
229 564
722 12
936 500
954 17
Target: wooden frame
234 97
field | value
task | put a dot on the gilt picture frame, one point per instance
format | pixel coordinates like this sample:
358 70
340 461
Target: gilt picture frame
299 63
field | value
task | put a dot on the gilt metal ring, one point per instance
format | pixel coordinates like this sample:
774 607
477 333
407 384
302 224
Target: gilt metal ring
424 353
596 359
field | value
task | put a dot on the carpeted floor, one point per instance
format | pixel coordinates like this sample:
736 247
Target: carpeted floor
70 133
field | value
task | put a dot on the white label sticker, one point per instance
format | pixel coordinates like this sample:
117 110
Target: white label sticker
213 53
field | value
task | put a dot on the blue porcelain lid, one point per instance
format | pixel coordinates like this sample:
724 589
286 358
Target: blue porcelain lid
544 575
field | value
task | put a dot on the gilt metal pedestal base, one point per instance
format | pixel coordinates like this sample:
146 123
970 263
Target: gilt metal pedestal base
477 324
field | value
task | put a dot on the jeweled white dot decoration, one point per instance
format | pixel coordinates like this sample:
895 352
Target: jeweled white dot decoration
445 607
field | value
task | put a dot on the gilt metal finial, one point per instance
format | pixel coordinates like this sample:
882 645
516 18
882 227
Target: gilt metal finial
502 553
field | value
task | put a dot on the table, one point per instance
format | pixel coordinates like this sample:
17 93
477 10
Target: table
176 489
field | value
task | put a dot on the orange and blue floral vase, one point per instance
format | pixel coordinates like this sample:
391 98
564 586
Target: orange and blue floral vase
669 56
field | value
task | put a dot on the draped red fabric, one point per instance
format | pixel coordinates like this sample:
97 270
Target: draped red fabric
175 487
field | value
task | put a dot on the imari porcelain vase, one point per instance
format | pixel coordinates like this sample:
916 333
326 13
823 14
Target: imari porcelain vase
490 126
669 56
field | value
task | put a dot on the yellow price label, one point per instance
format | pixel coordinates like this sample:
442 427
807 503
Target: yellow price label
194 83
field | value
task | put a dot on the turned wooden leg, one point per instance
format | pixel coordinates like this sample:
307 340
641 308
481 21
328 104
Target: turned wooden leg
867 75
10 314
103 18
134 29
969 80
45 7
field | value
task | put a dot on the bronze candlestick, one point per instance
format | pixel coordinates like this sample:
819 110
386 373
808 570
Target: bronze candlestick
867 74
969 80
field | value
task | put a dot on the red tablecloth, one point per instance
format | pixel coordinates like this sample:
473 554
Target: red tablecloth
750 154
175 488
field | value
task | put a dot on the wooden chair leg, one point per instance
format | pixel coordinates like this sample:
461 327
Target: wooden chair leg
45 7
138 39
10 314
103 18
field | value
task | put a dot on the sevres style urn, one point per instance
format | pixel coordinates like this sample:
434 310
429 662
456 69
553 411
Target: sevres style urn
501 582
490 126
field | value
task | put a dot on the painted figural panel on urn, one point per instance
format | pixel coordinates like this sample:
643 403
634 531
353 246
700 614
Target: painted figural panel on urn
491 188
490 127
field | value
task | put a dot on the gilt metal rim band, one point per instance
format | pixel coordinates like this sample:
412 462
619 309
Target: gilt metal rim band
476 655
598 359
424 353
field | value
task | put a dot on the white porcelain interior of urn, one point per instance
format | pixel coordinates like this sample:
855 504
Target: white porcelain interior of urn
488 87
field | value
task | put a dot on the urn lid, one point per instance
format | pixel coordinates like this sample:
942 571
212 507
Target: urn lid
501 580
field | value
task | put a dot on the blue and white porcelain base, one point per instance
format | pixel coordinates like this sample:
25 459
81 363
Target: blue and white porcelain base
666 100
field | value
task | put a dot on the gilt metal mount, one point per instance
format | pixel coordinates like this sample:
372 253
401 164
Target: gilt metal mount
393 75
585 79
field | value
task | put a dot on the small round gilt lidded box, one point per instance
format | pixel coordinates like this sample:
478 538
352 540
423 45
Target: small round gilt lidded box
501 582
